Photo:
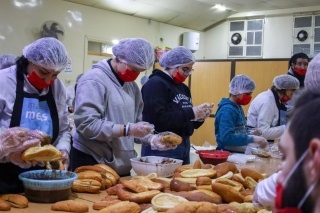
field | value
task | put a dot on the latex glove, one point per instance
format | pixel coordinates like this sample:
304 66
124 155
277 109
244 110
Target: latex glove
201 111
261 141
43 137
15 158
155 143
139 130
65 159
254 131
16 139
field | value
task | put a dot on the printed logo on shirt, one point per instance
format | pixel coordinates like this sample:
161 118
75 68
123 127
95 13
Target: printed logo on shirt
183 100
36 115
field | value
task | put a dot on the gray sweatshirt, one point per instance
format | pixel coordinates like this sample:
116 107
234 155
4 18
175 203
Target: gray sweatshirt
102 106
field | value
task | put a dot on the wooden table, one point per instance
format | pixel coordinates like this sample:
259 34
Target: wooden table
262 165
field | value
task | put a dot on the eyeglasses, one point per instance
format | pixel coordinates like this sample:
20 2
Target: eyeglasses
186 70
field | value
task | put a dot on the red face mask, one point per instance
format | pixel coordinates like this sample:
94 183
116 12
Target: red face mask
37 82
128 75
300 71
285 99
178 78
280 189
244 100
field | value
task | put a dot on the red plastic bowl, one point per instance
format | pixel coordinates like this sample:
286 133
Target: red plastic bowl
213 157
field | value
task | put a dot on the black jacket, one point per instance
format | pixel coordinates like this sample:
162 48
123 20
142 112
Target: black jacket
168 105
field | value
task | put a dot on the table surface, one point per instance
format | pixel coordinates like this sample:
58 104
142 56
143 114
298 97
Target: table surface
262 165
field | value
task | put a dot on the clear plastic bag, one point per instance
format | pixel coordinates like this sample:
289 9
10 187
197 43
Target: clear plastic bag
275 151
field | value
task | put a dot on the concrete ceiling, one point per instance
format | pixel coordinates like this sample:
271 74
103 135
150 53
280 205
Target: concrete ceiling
197 15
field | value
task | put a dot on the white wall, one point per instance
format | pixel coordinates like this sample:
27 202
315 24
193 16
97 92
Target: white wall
278 33
20 26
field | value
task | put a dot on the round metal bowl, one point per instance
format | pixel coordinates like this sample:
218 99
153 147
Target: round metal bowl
47 186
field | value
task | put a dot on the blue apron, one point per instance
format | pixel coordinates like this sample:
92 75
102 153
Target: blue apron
34 112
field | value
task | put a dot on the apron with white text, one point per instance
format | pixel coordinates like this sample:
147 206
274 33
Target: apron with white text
33 112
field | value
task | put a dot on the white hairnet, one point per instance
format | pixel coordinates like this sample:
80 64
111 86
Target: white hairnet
241 84
286 82
176 57
7 60
136 52
48 53
312 78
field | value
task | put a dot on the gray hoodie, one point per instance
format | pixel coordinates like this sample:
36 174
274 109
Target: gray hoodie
102 106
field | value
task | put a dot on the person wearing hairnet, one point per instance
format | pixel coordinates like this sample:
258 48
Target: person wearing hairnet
230 122
7 60
33 98
108 109
71 90
267 110
298 65
312 79
168 102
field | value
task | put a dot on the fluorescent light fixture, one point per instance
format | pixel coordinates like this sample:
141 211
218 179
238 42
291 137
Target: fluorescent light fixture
115 41
220 7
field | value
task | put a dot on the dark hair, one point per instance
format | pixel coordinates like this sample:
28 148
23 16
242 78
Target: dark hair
22 64
294 58
304 126
280 91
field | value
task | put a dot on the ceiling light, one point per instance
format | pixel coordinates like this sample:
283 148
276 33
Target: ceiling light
220 7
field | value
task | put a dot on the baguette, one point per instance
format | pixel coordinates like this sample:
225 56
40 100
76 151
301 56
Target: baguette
224 168
90 175
104 203
15 200
70 206
195 173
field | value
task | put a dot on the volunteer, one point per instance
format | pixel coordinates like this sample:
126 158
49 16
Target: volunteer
312 78
298 184
266 189
230 122
298 65
7 60
267 110
32 97
108 109
168 102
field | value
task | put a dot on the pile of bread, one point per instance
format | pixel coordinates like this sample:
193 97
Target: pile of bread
194 188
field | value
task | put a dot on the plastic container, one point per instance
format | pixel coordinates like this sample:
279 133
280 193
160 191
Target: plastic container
213 157
163 166
47 186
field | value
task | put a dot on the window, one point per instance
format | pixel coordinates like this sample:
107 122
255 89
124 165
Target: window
306 35
246 38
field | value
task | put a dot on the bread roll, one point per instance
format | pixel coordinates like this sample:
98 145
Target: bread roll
44 153
194 207
203 181
104 203
122 207
70 206
250 183
194 173
224 168
4 205
90 175
236 185
227 193
245 172
173 139
165 201
110 170
86 185
177 185
197 164
15 200
227 208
